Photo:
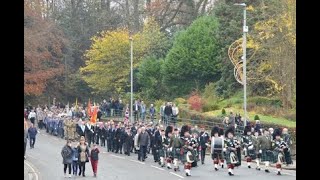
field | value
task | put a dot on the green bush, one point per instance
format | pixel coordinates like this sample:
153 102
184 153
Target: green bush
209 91
290 116
210 106
157 104
180 101
264 101
223 112
256 117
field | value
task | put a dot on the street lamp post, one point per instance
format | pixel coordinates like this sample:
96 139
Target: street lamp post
131 79
244 48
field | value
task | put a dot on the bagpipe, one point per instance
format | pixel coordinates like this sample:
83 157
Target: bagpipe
235 156
189 156
280 154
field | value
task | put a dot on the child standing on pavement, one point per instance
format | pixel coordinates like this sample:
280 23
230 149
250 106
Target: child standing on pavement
75 155
94 159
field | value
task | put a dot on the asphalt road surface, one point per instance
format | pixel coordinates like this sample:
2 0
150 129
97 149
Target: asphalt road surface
46 161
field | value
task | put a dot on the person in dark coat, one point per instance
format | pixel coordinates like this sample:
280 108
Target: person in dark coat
117 139
204 141
143 142
96 133
32 132
112 132
128 142
133 130
167 113
81 129
155 147
66 154
102 135
89 132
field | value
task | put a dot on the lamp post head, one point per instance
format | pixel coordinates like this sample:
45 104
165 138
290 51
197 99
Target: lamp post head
130 38
240 4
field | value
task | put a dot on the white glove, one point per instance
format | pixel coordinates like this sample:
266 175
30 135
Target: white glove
224 149
260 151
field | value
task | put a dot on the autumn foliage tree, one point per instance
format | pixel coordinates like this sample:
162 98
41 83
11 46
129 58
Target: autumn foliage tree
195 101
108 60
43 50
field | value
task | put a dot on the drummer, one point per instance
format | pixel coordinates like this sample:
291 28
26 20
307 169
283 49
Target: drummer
217 144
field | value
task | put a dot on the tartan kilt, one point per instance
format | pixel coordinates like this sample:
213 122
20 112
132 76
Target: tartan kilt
183 156
228 160
168 153
287 157
217 155
268 155
196 155
161 152
252 154
227 157
176 153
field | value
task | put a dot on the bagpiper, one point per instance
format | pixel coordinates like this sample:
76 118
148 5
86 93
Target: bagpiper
248 146
232 147
217 145
162 143
257 133
287 139
264 146
167 149
176 145
196 145
280 147
186 150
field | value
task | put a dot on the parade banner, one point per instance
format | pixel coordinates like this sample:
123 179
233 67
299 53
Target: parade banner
93 118
89 111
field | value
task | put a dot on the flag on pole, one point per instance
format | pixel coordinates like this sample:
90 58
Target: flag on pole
89 108
93 118
76 107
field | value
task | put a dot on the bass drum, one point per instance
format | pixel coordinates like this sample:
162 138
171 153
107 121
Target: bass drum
216 145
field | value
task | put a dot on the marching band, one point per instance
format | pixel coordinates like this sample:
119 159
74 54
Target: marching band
173 146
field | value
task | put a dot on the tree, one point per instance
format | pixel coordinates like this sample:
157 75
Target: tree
43 50
192 62
276 62
176 13
150 78
108 60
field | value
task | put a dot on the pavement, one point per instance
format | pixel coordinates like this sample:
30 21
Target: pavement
44 162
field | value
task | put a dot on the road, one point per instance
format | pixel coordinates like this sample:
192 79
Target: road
45 159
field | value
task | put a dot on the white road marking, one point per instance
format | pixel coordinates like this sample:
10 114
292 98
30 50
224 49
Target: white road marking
157 168
117 156
31 156
137 161
176 175
288 174
104 152
36 175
